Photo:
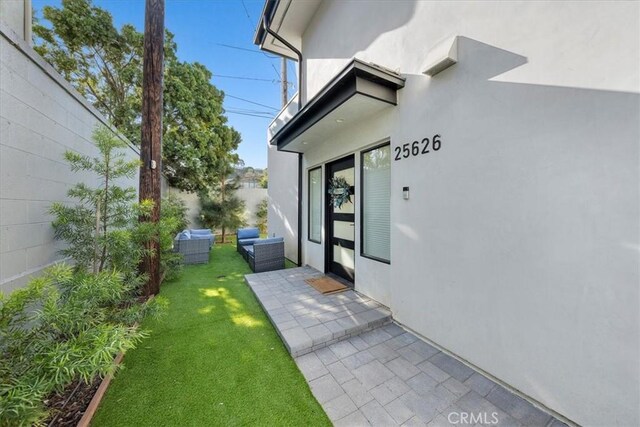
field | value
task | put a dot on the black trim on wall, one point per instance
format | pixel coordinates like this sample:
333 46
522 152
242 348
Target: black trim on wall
299 209
362 153
329 240
309 203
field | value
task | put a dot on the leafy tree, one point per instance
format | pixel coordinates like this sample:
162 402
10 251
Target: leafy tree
105 65
222 208
195 131
264 179
261 215
102 63
96 228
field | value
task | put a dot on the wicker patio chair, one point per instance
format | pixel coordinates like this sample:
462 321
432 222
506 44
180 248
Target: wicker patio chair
266 254
194 251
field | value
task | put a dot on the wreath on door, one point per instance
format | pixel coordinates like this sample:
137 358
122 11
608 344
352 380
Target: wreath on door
340 191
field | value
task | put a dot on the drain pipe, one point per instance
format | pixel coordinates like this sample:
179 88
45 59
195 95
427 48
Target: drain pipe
266 26
275 35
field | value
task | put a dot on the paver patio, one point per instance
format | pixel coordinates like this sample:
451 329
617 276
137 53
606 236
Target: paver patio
307 320
374 372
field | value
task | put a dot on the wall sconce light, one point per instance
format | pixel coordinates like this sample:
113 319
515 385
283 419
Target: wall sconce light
442 56
405 193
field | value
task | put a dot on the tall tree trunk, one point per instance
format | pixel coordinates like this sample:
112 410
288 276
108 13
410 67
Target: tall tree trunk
151 135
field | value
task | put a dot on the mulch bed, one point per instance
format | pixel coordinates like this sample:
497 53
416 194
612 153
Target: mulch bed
67 407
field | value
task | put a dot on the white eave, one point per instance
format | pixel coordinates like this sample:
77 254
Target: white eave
288 19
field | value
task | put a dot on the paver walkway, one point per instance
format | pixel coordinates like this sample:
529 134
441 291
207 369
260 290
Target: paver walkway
307 320
388 376
365 370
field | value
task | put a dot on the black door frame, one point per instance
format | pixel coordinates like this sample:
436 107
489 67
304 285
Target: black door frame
329 265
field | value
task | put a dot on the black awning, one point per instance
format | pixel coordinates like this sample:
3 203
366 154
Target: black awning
357 79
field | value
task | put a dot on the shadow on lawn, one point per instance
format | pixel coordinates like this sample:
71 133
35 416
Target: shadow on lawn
222 299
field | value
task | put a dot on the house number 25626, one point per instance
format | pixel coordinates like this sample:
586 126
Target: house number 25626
417 148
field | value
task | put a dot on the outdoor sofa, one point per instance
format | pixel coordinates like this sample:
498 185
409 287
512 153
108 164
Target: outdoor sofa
260 254
194 245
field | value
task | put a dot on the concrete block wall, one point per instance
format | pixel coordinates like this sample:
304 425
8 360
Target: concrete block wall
41 117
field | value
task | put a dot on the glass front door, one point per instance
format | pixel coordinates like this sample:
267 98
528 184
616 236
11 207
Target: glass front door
340 244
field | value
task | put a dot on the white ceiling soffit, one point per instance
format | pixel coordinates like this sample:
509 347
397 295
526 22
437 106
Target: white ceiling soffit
289 21
357 108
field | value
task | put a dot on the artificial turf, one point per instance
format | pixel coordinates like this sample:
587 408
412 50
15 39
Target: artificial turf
213 359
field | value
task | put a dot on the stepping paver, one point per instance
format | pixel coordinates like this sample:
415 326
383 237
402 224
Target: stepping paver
366 370
307 320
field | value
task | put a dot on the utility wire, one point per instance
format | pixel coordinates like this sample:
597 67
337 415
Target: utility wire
250 102
247 78
247 50
276 70
251 115
246 110
253 26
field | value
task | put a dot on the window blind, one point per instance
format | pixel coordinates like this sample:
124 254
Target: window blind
376 203
315 204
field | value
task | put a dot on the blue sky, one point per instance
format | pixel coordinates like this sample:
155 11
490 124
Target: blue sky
201 28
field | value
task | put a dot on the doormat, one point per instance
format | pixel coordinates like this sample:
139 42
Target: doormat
326 285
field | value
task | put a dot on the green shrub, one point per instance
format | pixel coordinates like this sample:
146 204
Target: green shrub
173 219
261 215
221 208
63 326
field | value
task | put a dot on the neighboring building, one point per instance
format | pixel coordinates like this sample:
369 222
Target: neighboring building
493 148
41 117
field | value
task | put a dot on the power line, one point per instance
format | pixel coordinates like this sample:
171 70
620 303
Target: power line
253 26
247 50
246 110
248 78
276 70
251 115
250 102
253 51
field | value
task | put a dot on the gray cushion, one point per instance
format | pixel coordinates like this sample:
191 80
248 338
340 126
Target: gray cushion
248 233
269 240
200 232
245 242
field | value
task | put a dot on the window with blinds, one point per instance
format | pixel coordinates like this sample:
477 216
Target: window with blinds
315 204
376 203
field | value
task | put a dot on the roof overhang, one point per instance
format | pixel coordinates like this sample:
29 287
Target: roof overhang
358 91
288 19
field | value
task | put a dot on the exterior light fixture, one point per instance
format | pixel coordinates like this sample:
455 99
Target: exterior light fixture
405 193
339 120
442 56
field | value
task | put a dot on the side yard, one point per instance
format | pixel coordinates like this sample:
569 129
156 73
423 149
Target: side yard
213 359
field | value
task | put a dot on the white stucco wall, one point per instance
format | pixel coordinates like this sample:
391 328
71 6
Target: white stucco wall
41 117
192 203
518 250
282 214
12 13
251 197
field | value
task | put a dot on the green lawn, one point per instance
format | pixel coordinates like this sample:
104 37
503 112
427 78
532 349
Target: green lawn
213 359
